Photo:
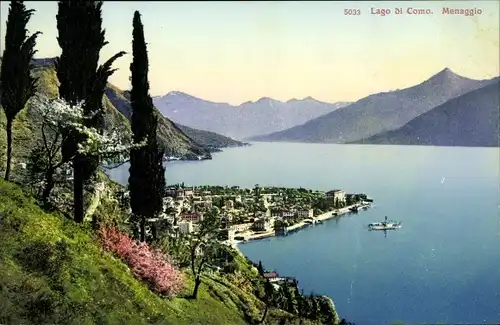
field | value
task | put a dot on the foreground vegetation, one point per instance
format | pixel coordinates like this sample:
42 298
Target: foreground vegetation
54 271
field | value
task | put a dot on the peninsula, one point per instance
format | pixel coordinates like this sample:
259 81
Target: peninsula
254 213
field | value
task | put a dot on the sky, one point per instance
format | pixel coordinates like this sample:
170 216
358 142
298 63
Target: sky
243 50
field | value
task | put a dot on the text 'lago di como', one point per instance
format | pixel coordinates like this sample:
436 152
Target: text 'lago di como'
415 11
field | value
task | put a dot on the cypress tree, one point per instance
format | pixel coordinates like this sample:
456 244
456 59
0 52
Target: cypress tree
260 268
147 174
81 38
16 83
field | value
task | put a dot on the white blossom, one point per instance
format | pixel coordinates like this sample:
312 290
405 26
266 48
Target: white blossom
64 117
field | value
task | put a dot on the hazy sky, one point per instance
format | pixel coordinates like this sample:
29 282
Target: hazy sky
244 50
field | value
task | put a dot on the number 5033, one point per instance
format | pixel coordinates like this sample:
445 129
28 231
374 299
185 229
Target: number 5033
352 12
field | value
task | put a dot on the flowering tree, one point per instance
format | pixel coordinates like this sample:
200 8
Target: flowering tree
58 120
81 38
148 264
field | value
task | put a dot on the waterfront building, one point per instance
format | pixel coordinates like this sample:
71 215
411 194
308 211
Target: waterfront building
305 213
335 195
288 215
262 224
242 226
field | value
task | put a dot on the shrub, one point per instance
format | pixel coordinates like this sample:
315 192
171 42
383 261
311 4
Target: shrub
147 263
45 258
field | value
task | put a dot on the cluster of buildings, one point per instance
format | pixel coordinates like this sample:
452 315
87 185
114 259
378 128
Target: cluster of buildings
185 206
189 204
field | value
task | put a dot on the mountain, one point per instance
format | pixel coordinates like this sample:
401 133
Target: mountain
470 120
379 112
208 140
250 118
186 143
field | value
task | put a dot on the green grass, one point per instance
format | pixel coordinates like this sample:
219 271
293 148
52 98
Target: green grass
88 285
53 271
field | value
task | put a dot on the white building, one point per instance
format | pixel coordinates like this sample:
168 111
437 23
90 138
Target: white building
241 226
305 213
186 227
229 204
335 195
262 224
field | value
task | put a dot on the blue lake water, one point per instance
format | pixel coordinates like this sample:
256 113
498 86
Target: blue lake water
442 266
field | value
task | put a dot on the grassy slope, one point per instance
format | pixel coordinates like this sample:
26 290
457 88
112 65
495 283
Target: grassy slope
92 282
86 285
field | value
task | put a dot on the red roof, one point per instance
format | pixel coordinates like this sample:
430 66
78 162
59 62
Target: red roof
270 275
191 214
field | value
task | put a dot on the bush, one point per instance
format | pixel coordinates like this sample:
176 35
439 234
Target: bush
45 258
148 264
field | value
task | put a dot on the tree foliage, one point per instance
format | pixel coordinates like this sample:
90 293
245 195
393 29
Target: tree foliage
58 120
16 83
81 38
147 174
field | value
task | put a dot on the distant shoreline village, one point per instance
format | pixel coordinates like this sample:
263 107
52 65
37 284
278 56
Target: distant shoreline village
248 214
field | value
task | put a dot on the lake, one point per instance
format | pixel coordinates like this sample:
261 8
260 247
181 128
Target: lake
442 266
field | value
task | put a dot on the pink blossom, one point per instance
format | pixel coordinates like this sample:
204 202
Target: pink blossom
148 264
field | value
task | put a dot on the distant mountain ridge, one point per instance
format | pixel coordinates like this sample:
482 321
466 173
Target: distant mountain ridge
470 120
242 121
379 112
209 140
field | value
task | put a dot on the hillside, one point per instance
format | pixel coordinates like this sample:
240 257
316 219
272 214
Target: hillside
207 139
470 120
52 271
171 138
379 112
248 119
211 140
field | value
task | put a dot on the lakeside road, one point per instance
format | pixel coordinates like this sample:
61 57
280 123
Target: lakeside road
329 214
324 216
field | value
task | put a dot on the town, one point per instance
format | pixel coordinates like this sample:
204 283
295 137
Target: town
253 213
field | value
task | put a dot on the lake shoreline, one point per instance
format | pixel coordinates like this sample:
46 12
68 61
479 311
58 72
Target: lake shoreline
352 264
335 213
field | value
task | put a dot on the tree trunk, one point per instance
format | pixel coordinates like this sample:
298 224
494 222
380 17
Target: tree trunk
49 185
265 314
154 231
9 149
78 190
143 229
197 282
